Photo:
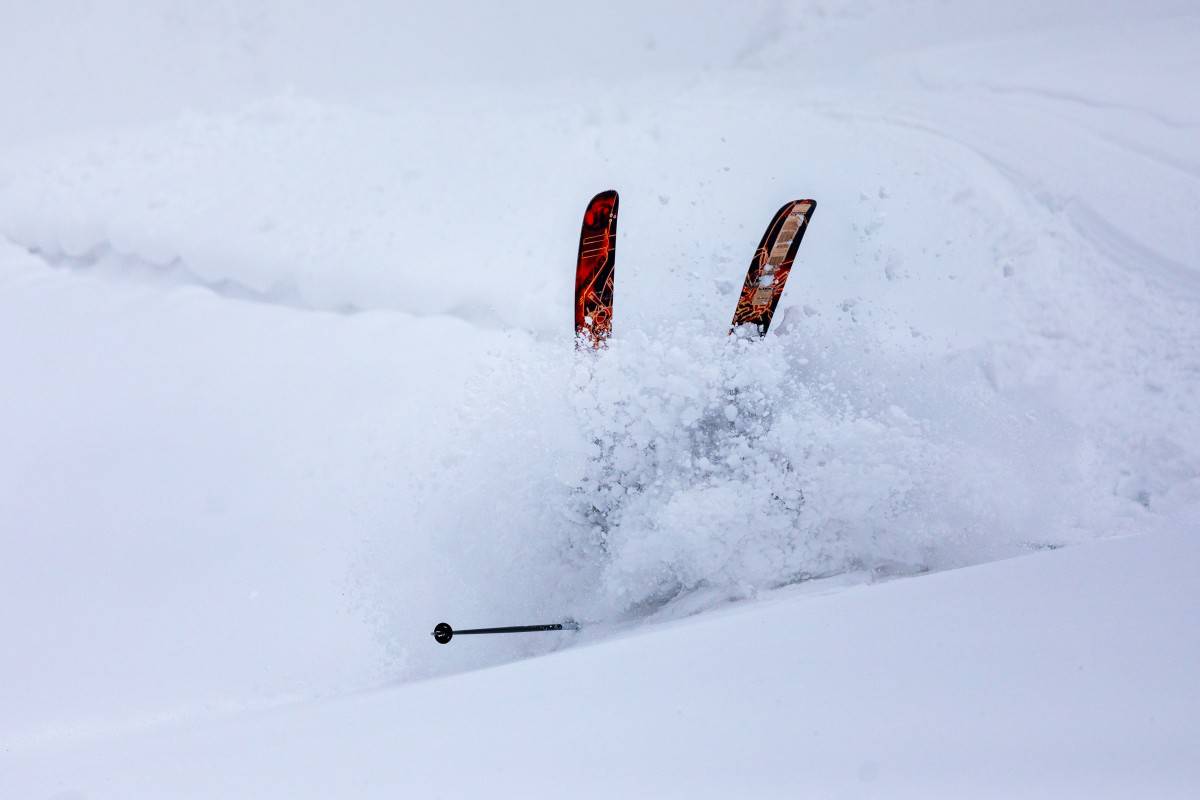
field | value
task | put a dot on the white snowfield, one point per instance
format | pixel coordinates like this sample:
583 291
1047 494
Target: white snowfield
1060 675
287 378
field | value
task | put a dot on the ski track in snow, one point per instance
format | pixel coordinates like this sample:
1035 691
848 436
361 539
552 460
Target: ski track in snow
983 348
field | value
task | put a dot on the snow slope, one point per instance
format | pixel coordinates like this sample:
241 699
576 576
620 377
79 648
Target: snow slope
287 377
1058 675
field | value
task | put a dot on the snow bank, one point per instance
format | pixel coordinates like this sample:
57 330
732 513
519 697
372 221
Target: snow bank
1067 674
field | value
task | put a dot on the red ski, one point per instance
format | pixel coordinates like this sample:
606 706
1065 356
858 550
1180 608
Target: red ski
594 271
770 266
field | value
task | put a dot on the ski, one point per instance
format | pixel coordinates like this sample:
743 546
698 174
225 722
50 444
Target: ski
594 271
770 266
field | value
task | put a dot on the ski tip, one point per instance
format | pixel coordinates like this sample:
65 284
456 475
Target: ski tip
789 205
601 213
604 204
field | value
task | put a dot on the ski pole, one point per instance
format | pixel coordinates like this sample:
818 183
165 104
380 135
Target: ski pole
443 633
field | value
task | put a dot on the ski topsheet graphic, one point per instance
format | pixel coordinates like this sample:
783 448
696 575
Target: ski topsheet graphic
770 266
594 270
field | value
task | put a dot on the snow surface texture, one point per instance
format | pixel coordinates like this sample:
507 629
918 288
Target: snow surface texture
1058 676
285 308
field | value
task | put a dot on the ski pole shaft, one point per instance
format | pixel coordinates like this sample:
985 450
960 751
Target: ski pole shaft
443 633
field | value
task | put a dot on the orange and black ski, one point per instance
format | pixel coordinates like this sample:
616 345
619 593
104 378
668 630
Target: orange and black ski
594 271
770 266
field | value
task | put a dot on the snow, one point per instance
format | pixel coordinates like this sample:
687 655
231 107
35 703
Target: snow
1063 674
288 378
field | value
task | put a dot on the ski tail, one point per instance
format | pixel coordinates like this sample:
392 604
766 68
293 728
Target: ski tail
770 266
594 271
